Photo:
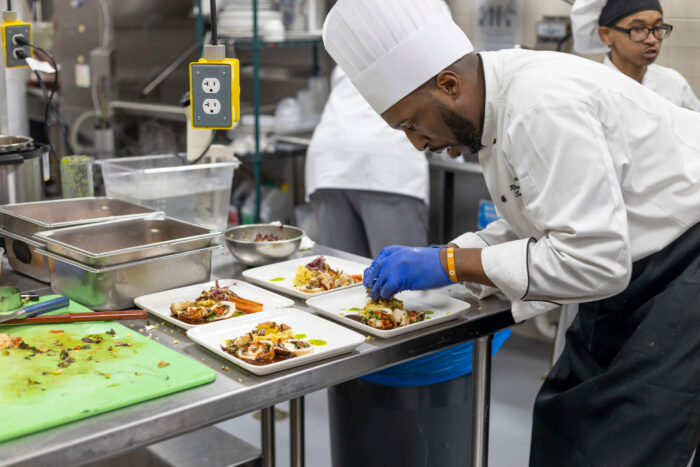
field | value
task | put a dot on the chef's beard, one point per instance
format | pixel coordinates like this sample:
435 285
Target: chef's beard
462 129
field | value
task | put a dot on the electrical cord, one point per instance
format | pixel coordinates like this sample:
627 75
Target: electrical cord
201 156
49 108
214 34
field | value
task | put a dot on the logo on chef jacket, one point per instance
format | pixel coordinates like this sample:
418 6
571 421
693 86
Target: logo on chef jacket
515 188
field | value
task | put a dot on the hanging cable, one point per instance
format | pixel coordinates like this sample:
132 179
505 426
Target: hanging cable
214 35
201 156
49 109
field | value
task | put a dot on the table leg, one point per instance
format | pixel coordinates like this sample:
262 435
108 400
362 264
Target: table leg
296 430
267 423
481 396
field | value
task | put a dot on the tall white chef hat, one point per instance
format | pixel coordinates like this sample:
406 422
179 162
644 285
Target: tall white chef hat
588 15
389 48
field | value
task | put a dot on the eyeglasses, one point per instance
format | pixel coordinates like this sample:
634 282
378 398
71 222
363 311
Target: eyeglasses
640 34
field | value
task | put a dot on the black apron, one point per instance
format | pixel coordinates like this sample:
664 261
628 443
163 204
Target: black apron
626 390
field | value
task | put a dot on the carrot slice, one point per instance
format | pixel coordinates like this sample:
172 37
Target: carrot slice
357 277
247 306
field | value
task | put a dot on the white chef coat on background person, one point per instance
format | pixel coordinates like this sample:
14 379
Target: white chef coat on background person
667 83
582 190
367 185
341 151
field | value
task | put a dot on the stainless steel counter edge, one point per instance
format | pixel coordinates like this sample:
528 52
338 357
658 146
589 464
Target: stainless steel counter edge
235 392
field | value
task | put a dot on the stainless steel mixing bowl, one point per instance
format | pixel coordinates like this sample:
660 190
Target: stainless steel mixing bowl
241 243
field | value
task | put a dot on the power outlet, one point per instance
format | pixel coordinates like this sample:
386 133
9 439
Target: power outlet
11 49
211 85
214 93
211 106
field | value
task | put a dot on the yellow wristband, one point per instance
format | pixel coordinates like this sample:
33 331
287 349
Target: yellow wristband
451 271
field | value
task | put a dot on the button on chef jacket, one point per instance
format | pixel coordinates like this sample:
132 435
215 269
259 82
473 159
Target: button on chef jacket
589 172
354 148
667 83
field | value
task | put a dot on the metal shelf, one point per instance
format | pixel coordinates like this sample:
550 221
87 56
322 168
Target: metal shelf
306 40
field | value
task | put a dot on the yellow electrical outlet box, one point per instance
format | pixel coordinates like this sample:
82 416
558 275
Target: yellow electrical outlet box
10 29
215 93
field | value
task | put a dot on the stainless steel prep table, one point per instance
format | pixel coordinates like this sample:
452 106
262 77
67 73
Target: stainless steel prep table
235 392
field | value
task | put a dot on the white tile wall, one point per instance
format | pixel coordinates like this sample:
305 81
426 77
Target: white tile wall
681 51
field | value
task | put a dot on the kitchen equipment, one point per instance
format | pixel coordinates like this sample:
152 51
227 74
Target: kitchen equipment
20 169
241 243
115 287
12 299
81 317
33 310
122 241
9 298
37 394
10 144
23 258
76 177
198 193
28 218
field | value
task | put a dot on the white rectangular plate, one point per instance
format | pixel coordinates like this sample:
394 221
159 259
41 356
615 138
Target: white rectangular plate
338 339
280 276
338 304
158 304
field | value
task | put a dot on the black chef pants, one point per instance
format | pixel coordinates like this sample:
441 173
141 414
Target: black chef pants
626 390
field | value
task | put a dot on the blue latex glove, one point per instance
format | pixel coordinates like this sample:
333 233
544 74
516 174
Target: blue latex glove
399 268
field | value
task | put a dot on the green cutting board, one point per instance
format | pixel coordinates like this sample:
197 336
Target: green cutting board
35 395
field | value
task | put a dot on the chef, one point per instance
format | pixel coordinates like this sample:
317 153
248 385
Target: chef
597 182
630 33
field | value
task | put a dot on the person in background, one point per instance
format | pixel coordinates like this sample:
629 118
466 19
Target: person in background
630 33
366 183
597 181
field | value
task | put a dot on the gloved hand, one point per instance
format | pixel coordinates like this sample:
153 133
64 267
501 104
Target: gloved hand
399 268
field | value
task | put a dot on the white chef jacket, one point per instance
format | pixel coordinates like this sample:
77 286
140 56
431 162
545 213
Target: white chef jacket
354 148
667 83
589 172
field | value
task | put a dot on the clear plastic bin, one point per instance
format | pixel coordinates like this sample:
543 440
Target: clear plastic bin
197 193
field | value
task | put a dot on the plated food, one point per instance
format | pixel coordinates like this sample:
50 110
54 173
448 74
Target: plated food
161 304
409 311
309 276
216 303
267 343
318 276
276 340
387 314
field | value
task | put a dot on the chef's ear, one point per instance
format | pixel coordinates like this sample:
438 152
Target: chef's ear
448 82
605 34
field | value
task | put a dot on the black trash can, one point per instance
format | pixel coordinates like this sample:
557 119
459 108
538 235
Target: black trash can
384 426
